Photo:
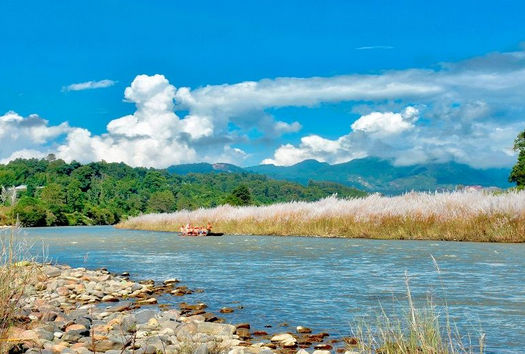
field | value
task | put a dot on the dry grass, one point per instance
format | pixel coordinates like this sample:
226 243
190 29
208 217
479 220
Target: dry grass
414 330
458 216
17 270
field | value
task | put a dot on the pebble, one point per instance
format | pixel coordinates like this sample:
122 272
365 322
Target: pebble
69 317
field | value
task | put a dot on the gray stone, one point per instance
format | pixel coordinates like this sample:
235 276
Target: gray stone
201 349
216 329
52 272
75 335
129 324
136 287
43 334
144 316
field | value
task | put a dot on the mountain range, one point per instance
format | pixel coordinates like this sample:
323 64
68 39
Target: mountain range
371 174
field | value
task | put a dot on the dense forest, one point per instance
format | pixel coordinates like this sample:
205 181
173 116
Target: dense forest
52 192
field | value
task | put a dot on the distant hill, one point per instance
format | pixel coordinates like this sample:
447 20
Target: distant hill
374 174
184 169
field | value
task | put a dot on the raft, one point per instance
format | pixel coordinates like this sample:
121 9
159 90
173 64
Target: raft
185 234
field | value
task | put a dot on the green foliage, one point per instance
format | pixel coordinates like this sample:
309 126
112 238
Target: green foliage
101 193
517 174
241 195
161 202
31 212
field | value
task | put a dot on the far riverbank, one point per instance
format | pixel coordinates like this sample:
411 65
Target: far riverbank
456 216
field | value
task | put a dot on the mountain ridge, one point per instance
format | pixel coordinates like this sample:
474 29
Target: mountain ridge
372 174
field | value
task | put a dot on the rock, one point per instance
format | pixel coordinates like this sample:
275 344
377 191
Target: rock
52 272
49 316
323 347
171 281
107 344
74 336
143 316
301 329
150 301
259 333
136 287
216 329
302 351
285 340
209 317
76 327
109 298
186 307
236 351
62 291
43 334
243 333
201 349
350 340
124 274
243 325
321 352
120 307
226 310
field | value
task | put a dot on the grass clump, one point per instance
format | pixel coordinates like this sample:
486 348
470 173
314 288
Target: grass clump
17 270
413 330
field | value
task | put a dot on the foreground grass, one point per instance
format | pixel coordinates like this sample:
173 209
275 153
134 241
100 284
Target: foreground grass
456 216
412 329
17 271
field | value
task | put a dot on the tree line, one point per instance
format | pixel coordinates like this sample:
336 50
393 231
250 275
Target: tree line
52 192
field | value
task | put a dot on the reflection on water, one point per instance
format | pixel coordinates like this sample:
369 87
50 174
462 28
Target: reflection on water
320 283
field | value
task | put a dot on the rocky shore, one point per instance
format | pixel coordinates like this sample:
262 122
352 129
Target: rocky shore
80 311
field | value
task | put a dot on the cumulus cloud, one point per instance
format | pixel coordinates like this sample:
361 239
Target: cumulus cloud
89 85
23 136
396 136
468 111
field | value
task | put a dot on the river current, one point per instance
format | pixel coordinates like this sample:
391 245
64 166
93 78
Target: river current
325 284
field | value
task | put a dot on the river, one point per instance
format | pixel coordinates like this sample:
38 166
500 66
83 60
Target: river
325 284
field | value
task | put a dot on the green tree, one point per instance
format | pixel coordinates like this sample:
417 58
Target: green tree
74 196
30 212
240 195
53 194
518 171
161 202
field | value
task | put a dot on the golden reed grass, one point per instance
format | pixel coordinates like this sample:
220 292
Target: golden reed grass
457 216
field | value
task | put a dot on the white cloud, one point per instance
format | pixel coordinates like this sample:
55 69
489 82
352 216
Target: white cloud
375 47
381 125
89 85
396 136
23 135
468 111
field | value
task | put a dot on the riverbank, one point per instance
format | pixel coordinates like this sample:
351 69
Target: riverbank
456 216
78 311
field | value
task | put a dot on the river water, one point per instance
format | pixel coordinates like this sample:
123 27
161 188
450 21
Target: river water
325 284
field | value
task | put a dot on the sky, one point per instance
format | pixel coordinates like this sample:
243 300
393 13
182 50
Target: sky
157 83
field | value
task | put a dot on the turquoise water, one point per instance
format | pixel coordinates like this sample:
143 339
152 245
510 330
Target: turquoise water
320 283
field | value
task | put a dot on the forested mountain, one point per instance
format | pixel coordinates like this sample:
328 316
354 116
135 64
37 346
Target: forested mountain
53 192
377 175
371 174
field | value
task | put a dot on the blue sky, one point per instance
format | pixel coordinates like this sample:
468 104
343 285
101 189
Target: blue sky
47 46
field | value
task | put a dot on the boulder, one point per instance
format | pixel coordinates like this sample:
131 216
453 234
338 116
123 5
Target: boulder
143 316
216 329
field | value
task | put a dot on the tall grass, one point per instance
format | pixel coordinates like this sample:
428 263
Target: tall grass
17 270
462 216
413 329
